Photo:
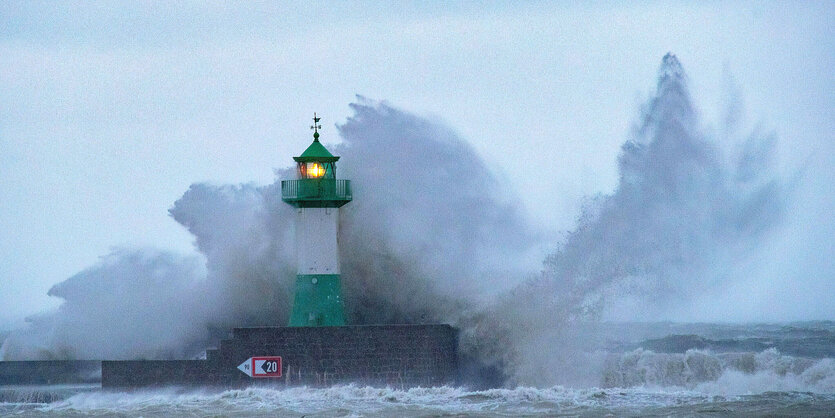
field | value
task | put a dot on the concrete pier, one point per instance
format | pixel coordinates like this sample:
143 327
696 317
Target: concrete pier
49 372
377 355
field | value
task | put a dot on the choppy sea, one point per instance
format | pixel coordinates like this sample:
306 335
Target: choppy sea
648 369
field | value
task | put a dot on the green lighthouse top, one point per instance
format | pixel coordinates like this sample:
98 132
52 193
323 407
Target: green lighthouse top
316 185
316 151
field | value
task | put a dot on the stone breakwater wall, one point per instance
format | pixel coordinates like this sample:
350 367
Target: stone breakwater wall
49 372
377 355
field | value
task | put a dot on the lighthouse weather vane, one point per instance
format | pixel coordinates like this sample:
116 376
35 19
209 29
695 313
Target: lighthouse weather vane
316 126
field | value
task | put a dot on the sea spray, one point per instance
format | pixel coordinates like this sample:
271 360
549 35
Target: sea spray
245 233
132 304
676 223
429 238
431 231
676 220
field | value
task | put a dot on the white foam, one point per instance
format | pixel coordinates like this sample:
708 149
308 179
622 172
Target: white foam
367 400
817 378
720 374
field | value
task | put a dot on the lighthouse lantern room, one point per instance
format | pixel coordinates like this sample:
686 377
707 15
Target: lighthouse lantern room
317 194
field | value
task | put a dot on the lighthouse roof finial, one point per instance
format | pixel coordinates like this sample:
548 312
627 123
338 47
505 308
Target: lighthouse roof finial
316 151
316 127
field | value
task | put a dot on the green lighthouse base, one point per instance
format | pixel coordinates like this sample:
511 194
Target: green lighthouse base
317 302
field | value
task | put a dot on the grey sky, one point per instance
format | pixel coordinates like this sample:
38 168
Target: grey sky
109 111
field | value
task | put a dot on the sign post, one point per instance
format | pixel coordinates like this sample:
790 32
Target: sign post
261 367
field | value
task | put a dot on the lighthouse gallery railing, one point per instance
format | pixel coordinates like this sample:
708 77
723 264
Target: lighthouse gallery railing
324 190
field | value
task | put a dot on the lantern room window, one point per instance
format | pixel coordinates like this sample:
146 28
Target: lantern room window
316 170
311 170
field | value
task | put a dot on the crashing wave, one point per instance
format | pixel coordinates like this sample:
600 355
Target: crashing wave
724 373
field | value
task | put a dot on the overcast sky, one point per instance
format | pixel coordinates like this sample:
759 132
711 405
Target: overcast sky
110 110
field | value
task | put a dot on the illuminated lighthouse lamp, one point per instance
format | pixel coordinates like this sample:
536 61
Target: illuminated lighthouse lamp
311 170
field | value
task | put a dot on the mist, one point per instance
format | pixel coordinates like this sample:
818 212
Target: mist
665 240
432 235
681 215
426 208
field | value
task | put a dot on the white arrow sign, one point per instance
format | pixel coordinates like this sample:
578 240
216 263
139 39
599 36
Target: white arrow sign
262 366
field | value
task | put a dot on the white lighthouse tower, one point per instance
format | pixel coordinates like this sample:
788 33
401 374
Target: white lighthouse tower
317 194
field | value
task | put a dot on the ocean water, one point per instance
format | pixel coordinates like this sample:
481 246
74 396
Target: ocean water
647 369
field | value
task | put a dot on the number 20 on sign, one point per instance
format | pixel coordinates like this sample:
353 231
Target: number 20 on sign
261 367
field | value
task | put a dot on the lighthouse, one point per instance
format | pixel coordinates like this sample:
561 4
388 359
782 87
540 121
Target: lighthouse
316 348
317 195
